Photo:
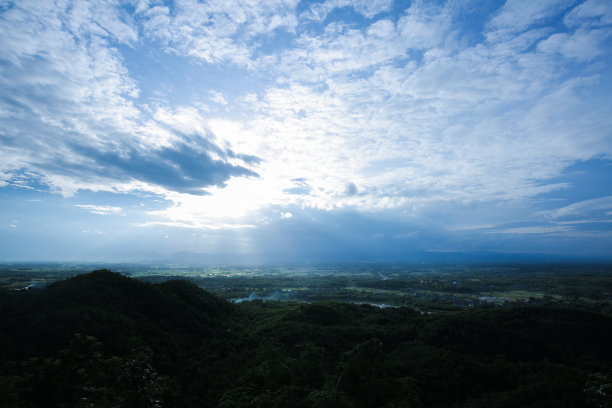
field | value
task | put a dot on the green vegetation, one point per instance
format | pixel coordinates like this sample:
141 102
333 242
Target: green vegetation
430 288
105 340
436 288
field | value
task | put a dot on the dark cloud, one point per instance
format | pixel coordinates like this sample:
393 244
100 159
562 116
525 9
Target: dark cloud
350 190
187 166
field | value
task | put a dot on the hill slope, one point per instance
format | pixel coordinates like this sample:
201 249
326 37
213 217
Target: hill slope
106 340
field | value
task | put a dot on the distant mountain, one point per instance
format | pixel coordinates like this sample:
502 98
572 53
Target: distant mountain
430 257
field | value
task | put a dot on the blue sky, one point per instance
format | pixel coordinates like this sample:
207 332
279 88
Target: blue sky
299 130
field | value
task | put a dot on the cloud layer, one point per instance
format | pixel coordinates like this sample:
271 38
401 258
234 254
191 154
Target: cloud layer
240 115
69 108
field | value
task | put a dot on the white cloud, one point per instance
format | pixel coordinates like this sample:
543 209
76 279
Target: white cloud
534 230
100 209
423 27
481 122
367 8
582 45
190 224
565 232
584 208
90 232
218 31
517 15
107 20
403 106
217 97
342 49
69 111
74 84
591 12
473 227
588 221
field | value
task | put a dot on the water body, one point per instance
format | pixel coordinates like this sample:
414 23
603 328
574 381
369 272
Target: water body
276 295
379 305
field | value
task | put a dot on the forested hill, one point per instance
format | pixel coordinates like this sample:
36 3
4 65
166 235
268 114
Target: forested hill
105 340
121 311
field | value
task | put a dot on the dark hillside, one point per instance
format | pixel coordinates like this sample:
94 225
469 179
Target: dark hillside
102 339
170 320
112 307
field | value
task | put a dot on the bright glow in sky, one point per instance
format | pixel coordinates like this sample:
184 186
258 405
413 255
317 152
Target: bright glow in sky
304 130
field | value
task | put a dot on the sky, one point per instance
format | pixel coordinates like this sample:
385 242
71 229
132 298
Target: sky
304 130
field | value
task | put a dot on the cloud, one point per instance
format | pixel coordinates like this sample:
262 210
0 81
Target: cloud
415 115
582 45
456 151
466 122
70 119
342 48
196 225
474 227
218 97
534 230
351 189
518 15
424 115
100 209
95 232
367 8
22 178
592 12
423 27
217 31
586 208
188 166
587 221
300 187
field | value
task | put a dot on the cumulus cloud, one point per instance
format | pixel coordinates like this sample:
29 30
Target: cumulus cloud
581 45
448 125
342 48
217 31
217 97
69 111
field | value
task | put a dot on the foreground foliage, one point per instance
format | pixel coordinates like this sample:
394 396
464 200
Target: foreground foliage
104 340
